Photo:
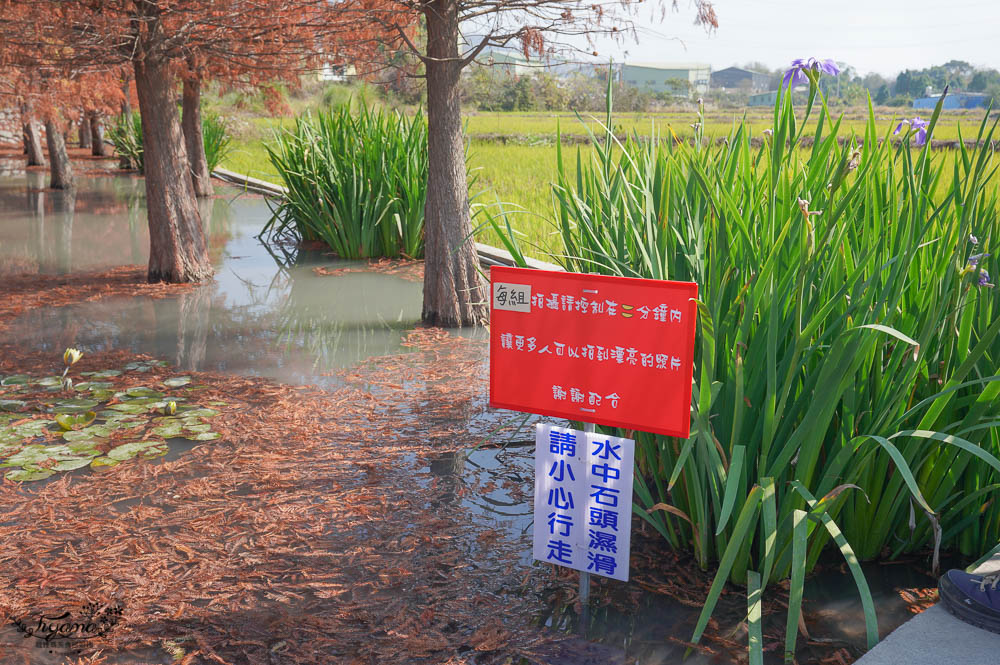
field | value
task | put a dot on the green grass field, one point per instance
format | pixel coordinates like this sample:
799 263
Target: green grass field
519 175
717 123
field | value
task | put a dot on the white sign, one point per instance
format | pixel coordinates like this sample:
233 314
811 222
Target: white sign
512 297
583 500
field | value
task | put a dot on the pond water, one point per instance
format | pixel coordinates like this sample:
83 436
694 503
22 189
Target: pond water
265 313
271 314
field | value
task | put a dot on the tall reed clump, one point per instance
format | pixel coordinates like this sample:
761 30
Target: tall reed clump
216 138
357 182
126 136
846 370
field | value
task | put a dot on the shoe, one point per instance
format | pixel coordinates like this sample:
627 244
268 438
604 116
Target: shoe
972 598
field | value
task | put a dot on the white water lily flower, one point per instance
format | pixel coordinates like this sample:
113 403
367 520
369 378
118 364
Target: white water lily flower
71 356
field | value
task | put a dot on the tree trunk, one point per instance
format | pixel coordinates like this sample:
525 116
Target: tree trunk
33 138
193 322
126 106
97 147
84 131
194 139
454 294
59 167
64 209
36 203
201 178
177 250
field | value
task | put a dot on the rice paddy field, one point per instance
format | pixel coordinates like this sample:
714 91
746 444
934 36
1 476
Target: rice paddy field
513 158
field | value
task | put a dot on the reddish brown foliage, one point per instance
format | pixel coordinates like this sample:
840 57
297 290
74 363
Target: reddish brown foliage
408 270
277 540
919 599
28 291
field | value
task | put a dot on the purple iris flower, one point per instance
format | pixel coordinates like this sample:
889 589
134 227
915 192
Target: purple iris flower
916 125
975 258
984 278
797 73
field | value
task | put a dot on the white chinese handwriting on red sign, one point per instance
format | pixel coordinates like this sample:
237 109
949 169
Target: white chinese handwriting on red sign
610 350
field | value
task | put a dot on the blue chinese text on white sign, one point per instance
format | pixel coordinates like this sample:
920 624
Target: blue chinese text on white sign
583 500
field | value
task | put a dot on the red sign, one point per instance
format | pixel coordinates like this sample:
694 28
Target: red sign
613 351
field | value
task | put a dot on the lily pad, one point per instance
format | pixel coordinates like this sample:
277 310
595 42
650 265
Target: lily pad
128 408
197 427
152 402
12 404
207 436
36 454
116 420
168 431
86 447
50 382
74 405
33 428
197 413
58 451
27 475
102 431
70 421
144 365
98 462
15 380
93 385
71 464
32 454
147 449
103 374
177 381
143 391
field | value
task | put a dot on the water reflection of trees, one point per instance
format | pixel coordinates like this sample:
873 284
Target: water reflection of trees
329 317
295 326
51 225
102 224
182 326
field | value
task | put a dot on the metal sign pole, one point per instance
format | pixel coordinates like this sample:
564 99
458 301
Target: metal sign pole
585 576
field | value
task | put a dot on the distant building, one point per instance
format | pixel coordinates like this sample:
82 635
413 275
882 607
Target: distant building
507 61
336 73
677 79
955 100
763 98
511 63
734 78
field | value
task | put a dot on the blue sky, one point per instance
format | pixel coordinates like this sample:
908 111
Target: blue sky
883 36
